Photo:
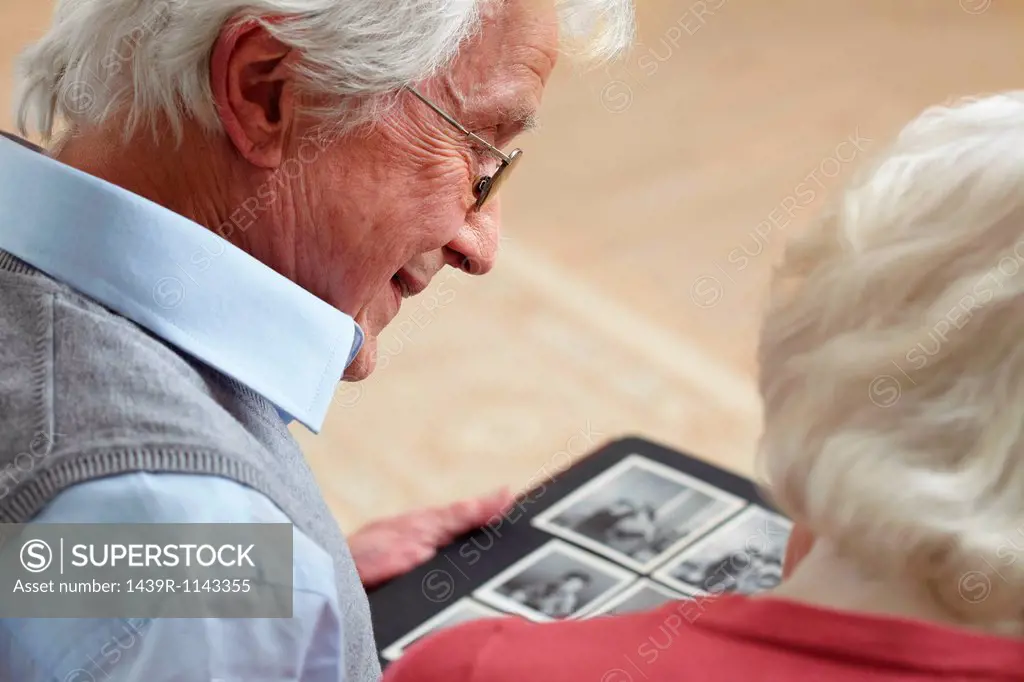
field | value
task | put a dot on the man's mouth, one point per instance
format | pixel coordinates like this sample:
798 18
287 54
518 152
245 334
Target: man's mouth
408 284
402 287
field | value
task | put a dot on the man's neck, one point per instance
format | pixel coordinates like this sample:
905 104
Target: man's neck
182 187
826 580
200 179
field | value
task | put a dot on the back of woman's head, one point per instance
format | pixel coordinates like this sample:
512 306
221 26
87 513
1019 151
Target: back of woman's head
892 363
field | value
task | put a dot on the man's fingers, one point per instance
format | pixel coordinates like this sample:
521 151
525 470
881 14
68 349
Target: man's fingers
391 547
447 523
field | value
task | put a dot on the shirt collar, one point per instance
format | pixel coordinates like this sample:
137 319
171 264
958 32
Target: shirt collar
177 279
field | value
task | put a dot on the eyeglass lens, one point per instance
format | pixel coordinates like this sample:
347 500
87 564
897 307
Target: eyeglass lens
487 186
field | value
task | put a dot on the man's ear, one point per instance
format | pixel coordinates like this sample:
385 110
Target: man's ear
254 90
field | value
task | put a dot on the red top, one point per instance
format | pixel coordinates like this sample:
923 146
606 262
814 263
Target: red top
723 639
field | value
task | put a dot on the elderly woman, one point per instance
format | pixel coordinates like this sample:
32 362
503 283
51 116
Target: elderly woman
892 373
239 196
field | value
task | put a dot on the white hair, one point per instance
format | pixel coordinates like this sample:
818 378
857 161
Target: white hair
892 363
146 57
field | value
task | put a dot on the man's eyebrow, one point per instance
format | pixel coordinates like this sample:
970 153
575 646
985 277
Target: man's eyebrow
528 123
515 112
521 116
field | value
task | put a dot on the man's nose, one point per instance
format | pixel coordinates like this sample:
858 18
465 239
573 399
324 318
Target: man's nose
475 249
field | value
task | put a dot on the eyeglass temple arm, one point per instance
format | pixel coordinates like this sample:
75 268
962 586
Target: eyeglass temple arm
458 126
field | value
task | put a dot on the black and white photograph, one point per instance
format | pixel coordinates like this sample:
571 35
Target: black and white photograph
644 595
744 556
462 611
556 582
639 512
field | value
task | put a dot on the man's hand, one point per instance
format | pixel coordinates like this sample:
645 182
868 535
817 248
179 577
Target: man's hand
390 547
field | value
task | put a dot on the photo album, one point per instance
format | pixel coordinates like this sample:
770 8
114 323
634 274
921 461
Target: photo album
627 528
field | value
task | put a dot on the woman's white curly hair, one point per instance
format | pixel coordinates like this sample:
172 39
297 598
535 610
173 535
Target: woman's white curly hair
892 362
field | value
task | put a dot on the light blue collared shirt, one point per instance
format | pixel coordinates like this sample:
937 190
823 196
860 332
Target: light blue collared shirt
218 304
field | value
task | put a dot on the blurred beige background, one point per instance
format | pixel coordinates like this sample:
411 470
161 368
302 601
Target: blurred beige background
640 232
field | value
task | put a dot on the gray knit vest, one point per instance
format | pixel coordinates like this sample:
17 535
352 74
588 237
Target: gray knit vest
86 393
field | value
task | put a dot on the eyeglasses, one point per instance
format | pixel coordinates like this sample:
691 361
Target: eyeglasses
486 186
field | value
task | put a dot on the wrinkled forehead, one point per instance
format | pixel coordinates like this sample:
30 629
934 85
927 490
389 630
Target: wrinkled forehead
508 62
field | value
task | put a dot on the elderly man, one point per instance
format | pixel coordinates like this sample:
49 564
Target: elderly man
244 194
